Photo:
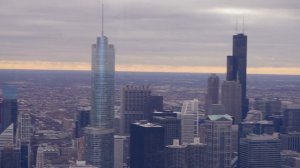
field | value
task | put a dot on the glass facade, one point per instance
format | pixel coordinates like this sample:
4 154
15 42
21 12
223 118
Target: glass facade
99 135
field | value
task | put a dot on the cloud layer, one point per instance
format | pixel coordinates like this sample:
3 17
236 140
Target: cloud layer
146 32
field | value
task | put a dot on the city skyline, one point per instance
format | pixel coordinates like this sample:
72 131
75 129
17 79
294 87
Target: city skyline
195 35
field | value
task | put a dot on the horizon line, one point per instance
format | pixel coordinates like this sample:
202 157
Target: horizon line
79 66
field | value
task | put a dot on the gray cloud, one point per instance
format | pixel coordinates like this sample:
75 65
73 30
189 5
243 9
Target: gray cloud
172 32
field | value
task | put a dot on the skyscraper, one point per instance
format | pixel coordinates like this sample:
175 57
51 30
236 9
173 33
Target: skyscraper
212 96
146 145
9 107
218 140
196 154
260 151
99 134
133 103
237 67
175 155
231 99
189 120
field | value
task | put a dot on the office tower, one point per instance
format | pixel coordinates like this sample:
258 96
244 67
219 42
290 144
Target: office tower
290 141
171 126
231 99
290 159
189 120
154 103
25 127
175 155
119 158
292 118
216 109
196 154
218 140
99 135
133 101
260 151
254 116
9 107
146 145
212 96
10 157
237 68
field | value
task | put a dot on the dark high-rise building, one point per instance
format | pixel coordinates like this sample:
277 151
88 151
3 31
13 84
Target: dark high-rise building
25 155
171 126
133 105
259 128
175 155
154 103
82 121
260 151
212 96
10 157
9 107
146 145
237 68
196 154
291 118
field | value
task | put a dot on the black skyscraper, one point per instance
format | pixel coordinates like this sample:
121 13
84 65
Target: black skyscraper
146 145
237 68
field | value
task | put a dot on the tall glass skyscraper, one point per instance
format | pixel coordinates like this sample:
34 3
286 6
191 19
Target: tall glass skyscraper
99 135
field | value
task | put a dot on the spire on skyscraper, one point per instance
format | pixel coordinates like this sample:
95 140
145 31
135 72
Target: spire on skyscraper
102 17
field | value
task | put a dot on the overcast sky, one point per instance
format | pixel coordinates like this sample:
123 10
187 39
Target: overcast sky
151 32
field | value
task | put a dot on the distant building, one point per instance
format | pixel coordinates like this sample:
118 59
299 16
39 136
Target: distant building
171 126
82 120
260 127
133 105
154 103
292 118
290 141
146 145
260 151
213 85
254 116
189 120
268 107
175 155
216 109
232 99
218 139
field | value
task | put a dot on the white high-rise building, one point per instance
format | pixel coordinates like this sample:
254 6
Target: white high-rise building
25 129
119 151
232 99
218 139
189 120
7 136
